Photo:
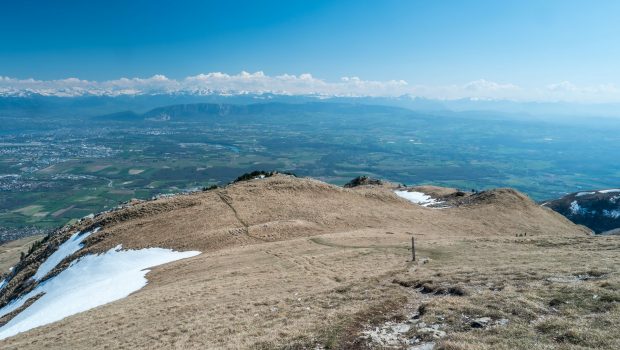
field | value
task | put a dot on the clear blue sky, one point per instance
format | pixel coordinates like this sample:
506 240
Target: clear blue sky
528 43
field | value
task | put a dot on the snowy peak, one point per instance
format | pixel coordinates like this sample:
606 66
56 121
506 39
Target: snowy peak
599 210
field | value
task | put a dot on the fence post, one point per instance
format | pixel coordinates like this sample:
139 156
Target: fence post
412 249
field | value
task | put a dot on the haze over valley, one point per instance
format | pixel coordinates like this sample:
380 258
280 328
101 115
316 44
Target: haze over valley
58 164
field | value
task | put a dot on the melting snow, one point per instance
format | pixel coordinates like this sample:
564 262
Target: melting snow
584 194
610 190
72 245
88 282
614 214
3 283
575 208
417 198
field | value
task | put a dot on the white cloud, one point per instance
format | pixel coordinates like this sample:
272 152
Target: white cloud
306 84
562 86
567 91
485 85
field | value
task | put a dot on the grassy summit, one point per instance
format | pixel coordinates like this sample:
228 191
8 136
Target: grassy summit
296 263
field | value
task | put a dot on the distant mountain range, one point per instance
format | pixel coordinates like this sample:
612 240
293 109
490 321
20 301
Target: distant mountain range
93 105
598 210
291 111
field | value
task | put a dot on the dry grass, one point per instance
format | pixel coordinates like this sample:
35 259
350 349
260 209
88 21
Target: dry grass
552 295
299 264
10 251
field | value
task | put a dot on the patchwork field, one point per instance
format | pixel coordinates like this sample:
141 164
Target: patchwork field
70 167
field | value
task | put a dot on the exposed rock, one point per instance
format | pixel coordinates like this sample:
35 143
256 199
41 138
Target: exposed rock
428 332
363 181
424 346
502 322
390 334
481 322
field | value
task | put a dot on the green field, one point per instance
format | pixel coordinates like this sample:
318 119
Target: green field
68 168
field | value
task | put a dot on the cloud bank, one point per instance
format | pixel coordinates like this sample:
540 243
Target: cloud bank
305 84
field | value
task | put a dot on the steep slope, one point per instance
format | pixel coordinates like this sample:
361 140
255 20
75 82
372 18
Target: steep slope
599 210
11 251
283 260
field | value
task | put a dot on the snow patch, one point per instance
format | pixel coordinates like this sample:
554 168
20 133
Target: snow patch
72 245
3 283
584 194
614 214
575 208
88 282
417 198
610 190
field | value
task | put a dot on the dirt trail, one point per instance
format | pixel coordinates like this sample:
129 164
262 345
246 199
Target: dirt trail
228 201
315 264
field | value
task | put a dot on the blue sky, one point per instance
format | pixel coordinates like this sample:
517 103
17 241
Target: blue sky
529 44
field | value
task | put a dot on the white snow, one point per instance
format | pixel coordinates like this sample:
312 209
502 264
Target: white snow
91 281
72 245
610 190
3 283
417 198
614 214
583 194
575 208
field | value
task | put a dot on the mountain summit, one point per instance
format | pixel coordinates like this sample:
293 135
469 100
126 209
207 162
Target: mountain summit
277 261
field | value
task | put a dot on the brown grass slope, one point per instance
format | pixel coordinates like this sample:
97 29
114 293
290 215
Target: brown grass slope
10 251
298 263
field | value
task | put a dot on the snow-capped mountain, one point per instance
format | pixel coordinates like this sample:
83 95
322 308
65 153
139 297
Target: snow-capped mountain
599 210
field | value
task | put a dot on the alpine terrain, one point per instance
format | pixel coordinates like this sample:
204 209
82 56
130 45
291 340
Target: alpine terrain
599 210
275 261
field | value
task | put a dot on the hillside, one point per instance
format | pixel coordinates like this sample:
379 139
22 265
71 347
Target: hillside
285 262
598 210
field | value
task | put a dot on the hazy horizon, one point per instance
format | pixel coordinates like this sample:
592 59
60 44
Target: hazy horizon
512 50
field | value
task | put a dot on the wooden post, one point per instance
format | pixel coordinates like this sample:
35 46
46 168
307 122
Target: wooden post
412 249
